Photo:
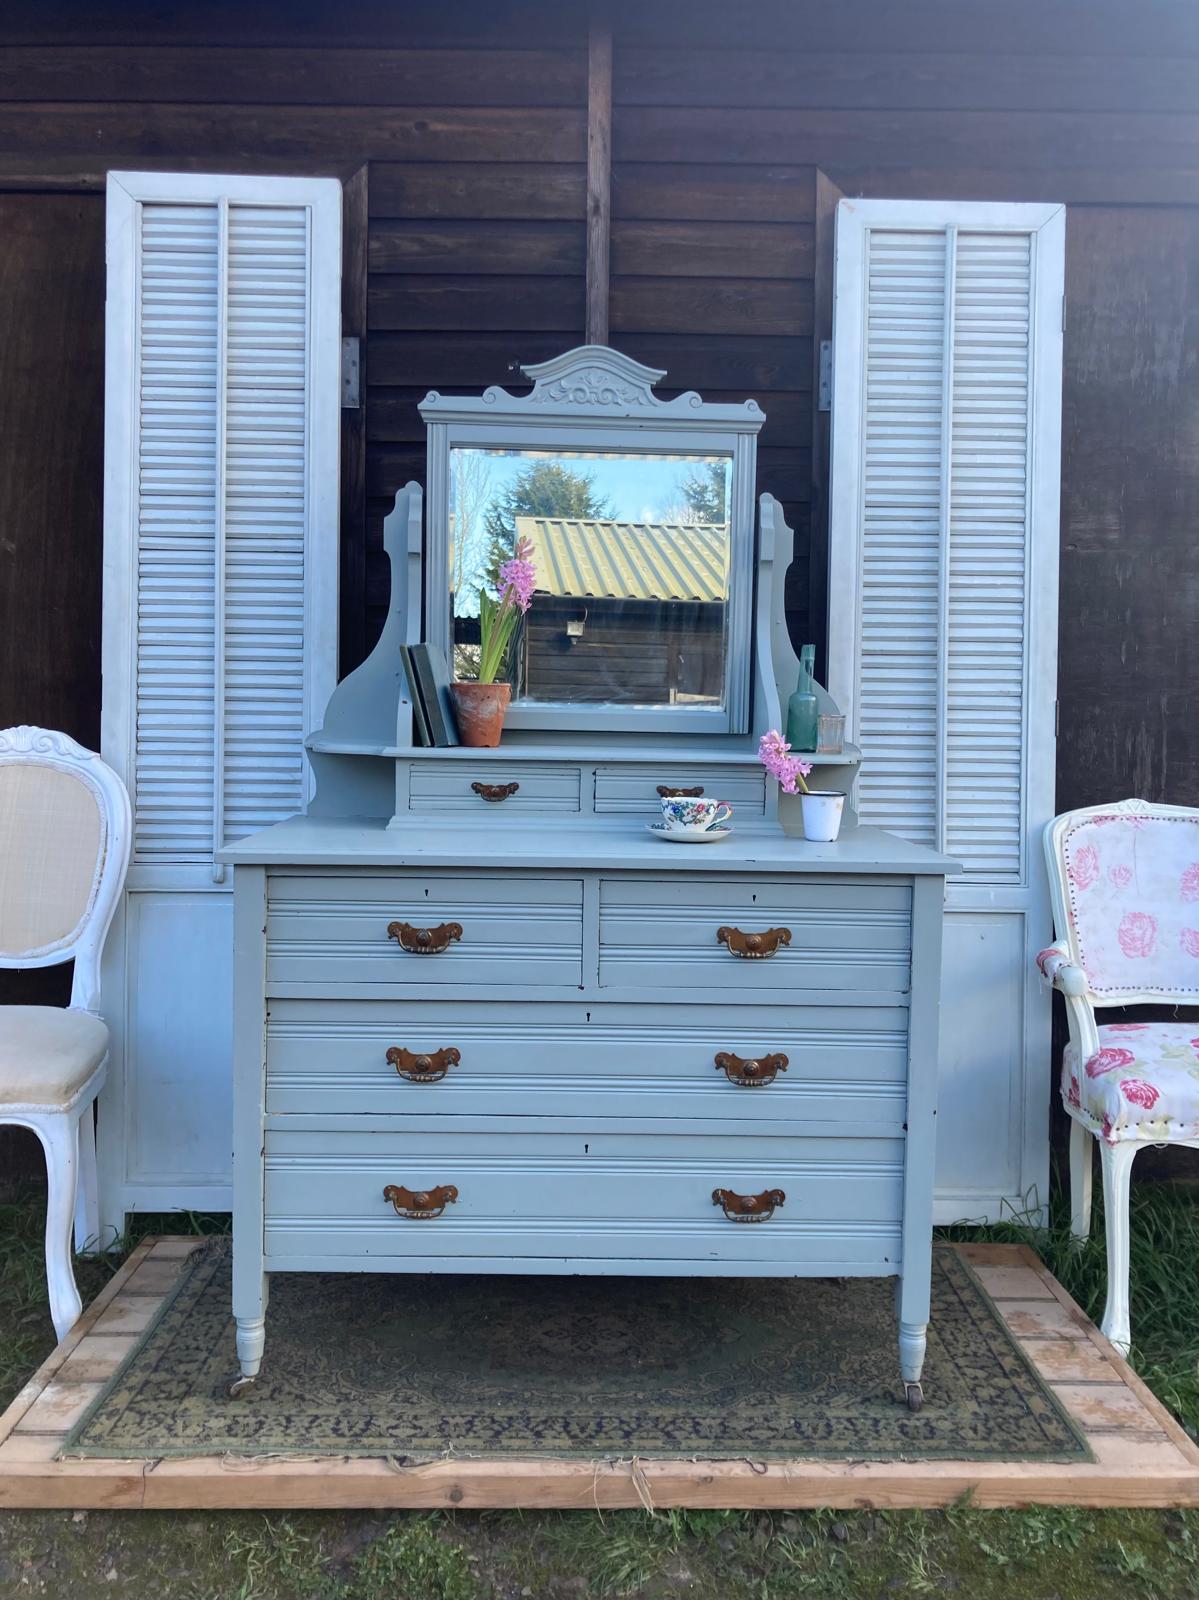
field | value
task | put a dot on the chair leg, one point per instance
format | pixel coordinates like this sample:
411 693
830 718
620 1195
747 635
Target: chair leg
87 1202
1081 1161
60 1141
1116 1161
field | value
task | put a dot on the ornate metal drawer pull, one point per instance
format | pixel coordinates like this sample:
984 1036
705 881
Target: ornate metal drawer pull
424 941
748 1207
748 1072
420 1205
753 946
427 1068
495 791
667 793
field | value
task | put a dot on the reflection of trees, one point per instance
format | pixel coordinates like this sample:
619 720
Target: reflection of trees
542 489
701 495
472 487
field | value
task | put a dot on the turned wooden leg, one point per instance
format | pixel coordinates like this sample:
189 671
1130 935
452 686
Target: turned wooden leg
1116 1161
59 1135
1081 1161
87 1201
249 1310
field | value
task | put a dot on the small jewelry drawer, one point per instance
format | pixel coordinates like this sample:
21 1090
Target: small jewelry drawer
491 789
755 935
845 1067
480 1192
420 932
635 788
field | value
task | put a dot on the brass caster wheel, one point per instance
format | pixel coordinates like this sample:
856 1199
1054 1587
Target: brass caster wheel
240 1387
915 1396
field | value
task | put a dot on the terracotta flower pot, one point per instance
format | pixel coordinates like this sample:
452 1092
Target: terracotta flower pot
480 708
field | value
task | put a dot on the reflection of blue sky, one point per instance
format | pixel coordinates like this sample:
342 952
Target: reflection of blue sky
634 488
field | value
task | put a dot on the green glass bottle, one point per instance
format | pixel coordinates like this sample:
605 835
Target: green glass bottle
801 708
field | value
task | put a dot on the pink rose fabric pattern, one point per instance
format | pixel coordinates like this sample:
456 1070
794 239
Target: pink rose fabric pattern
1132 900
1084 866
1138 935
1109 1060
1142 1083
1139 1093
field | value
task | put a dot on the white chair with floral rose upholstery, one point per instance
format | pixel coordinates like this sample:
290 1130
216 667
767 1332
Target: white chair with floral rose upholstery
1124 881
64 851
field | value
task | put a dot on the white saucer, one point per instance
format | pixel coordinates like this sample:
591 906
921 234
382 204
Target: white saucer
688 835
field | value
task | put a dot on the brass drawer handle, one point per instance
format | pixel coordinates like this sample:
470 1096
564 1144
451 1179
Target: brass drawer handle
495 791
667 793
748 1207
420 1205
753 946
424 941
750 1072
429 1067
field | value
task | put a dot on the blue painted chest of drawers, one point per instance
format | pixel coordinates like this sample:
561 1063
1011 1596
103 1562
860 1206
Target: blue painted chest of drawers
575 1071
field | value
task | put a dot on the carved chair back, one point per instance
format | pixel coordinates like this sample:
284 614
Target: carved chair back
1124 881
64 851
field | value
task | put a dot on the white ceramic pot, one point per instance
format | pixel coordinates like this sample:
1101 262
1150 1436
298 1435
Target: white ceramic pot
822 809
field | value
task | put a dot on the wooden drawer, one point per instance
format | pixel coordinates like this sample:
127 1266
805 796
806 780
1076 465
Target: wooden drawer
564 1196
632 787
845 1068
662 934
443 786
332 929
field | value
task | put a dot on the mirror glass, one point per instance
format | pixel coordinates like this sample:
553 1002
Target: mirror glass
631 559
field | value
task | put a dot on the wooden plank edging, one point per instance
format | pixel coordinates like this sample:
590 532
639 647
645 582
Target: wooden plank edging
1133 1468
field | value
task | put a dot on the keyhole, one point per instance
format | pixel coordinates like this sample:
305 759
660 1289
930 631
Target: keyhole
586 1149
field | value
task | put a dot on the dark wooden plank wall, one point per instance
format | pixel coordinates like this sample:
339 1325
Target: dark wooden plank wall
734 128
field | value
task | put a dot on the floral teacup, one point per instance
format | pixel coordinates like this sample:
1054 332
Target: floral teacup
695 813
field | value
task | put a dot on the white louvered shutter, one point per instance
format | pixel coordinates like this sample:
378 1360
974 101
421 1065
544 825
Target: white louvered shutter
222 443
943 598
222 522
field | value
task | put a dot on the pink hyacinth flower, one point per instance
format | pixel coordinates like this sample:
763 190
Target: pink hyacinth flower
1119 877
1188 938
786 769
518 577
1188 886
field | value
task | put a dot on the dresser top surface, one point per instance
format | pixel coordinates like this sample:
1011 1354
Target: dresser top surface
617 844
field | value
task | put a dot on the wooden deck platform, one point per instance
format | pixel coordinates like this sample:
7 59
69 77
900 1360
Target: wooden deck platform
1143 1458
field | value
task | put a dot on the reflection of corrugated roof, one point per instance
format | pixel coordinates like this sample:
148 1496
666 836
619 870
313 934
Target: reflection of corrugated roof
592 558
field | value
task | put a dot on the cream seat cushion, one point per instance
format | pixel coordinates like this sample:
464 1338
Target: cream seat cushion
47 1054
1142 1084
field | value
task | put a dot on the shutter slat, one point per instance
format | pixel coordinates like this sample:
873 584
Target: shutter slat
266 408
973 546
897 708
987 571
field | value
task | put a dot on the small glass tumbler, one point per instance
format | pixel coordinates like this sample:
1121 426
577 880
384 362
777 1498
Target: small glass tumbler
830 734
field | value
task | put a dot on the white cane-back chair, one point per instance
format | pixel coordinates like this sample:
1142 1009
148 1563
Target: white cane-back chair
1124 881
64 851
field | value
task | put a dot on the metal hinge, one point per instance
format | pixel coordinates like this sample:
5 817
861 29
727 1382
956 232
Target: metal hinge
1063 313
824 394
351 359
1057 718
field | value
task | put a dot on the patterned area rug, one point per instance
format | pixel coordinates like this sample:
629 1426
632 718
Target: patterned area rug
422 1367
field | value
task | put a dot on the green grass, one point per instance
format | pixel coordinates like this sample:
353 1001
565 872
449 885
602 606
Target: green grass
1039 1554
